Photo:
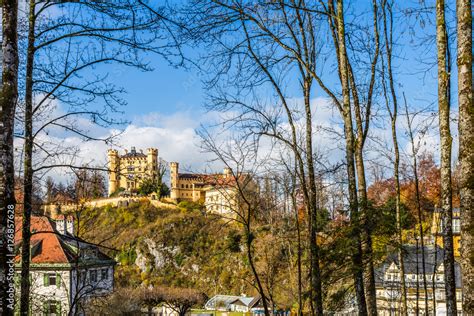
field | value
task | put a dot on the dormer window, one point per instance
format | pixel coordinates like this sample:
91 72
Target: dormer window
89 253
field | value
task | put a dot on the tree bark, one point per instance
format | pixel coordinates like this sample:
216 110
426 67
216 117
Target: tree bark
466 152
8 101
28 166
446 145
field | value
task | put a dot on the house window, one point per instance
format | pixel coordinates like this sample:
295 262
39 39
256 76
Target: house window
52 308
104 274
51 279
93 275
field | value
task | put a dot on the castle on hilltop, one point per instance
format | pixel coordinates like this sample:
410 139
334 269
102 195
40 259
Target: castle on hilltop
128 171
216 191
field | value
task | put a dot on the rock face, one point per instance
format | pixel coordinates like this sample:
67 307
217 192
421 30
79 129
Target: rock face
149 254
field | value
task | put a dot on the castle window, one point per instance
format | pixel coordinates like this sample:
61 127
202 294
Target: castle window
182 186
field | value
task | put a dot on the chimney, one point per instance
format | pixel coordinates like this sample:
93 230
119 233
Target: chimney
61 224
65 225
70 225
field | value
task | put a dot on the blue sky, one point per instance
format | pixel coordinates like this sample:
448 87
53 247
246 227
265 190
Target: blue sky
166 89
165 105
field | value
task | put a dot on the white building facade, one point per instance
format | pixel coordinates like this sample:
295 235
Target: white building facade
65 271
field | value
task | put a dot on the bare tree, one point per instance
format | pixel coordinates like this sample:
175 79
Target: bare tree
415 147
393 113
181 300
8 102
267 49
243 201
355 141
444 105
466 145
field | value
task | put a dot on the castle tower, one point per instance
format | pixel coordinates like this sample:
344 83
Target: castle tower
227 172
174 166
113 166
152 162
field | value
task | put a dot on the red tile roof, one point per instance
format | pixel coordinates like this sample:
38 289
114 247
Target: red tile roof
212 179
51 248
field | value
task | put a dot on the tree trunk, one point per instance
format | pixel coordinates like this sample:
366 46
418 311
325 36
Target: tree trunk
418 203
248 239
316 289
357 256
466 152
404 308
388 34
369 275
8 101
28 167
446 144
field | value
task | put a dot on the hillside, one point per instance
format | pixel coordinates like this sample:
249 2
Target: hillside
172 246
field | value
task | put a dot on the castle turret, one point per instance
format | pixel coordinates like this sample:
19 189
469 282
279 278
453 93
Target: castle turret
113 166
152 162
227 172
174 166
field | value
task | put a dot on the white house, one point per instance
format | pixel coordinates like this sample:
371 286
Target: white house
388 282
231 303
65 270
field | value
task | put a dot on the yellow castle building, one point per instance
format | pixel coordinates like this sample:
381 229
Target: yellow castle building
217 191
128 171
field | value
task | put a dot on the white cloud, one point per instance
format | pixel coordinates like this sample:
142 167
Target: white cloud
174 135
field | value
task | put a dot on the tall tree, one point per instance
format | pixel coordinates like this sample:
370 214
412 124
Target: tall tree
416 179
444 106
466 152
393 113
246 202
8 102
351 106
